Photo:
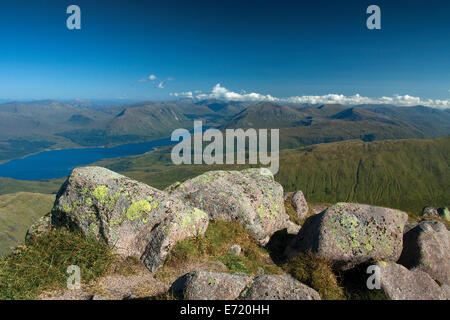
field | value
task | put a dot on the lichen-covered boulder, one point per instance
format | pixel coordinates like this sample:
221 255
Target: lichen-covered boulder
40 227
203 285
300 205
399 283
251 197
349 234
279 287
125 213
426 247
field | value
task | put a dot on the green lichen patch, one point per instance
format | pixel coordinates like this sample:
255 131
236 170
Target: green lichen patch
101 193
137 209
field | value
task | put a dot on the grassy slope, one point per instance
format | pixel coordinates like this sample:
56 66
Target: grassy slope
17 212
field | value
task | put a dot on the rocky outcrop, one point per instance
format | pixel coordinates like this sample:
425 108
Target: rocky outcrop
300 205
399 283
201 285
426 247
252 198
349 234
134 218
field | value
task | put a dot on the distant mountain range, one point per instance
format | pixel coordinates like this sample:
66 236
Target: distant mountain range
29 127
305 125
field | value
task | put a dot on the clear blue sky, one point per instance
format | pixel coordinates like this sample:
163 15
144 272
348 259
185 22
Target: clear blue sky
281 48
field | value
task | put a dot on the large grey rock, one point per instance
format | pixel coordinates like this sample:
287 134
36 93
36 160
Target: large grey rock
399 283
279 287
426 247
349 234
202 285
130 216
252 198
300 205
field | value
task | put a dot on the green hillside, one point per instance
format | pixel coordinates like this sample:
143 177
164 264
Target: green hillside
404 174
8 185
300 126
17 212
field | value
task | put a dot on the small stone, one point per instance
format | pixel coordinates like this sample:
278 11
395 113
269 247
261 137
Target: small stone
300 205
235 249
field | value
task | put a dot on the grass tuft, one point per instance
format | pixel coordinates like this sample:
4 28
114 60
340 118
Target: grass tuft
42 265
317 273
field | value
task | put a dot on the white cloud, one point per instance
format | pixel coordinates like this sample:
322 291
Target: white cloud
187 94
151 77
222 93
